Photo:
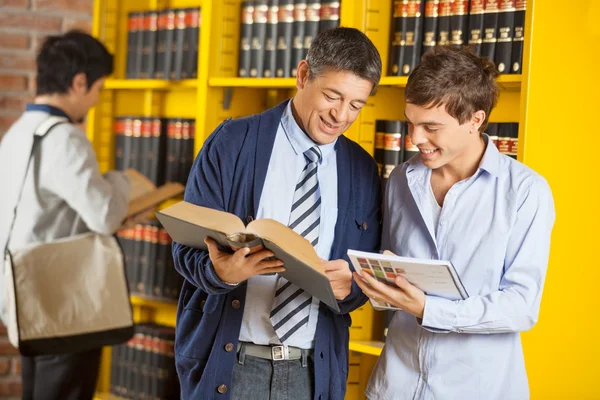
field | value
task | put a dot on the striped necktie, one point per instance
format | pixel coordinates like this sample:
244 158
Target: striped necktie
291 306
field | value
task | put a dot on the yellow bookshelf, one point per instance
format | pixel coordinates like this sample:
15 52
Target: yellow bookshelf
218 93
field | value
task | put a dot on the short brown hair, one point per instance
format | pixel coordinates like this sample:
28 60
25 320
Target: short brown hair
458 78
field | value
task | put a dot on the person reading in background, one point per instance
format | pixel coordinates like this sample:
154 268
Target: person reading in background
64 193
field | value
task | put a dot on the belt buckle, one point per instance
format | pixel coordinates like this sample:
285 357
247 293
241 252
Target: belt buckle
280 353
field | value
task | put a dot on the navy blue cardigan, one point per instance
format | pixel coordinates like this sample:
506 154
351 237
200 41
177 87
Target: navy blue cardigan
229 174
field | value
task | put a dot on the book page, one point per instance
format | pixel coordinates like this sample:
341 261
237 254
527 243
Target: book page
151 199
288 240
140 185
219 221
434 277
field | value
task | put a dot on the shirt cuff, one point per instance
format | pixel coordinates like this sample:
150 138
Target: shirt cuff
213 278
439 314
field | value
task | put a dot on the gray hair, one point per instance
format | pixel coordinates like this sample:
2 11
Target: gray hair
345 49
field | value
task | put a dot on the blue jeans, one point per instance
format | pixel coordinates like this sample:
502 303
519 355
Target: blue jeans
260 379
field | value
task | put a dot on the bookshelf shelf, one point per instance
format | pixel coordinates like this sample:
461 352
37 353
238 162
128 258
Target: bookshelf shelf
366 347
506 82
107 396
138 300
156 84
267 83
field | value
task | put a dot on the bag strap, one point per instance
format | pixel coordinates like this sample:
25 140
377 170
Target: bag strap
38 135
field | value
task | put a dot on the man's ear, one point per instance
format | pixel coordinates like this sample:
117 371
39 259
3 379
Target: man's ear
79 83
302 74
476 120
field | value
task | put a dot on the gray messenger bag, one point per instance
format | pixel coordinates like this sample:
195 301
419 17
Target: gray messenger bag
67 295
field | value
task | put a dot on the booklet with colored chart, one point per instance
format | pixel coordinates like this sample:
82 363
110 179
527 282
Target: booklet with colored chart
434 277
190 224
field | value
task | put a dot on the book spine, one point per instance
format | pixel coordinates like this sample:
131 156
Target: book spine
412 36
392 150
410 150
136 145
161 35
180 49
492 132
139 46
132 31
298 35
150 32
185 158
504 134
443 33
170 45
271 40
119 129
193 34
152 264
518 37
285 26
379 144
430 24
399 12
156 148
330 15
171 165
177 153
476 25
506 25
257 43
313 18
145 155
245 38
459 20
490 28
164 243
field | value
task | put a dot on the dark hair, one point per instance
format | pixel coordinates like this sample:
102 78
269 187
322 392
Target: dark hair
458 78
62 57
344 49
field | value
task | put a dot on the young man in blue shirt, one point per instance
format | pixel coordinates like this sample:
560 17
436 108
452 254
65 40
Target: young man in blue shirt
491 216
244 334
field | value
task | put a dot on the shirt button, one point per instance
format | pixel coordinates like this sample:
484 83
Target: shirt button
222 388
229 347
235 304
364 226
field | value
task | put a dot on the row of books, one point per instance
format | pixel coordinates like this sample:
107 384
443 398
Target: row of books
493 28
393 145
144 367
275 35
163 44
149 263
162 149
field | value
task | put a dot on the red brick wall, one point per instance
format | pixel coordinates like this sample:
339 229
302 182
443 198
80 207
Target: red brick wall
23 26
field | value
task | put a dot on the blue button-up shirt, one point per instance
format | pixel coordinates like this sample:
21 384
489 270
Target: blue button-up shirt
495 229
285 166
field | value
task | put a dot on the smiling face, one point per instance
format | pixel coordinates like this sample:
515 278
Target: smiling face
326 105
441 139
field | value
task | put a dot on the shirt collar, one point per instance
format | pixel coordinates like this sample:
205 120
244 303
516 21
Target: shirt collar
489 163
299 140
47 108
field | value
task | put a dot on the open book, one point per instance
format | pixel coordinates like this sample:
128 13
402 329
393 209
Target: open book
145 196
434 277
189 224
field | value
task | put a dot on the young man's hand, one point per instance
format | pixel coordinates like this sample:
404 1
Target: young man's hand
239 266
406 296
340 278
